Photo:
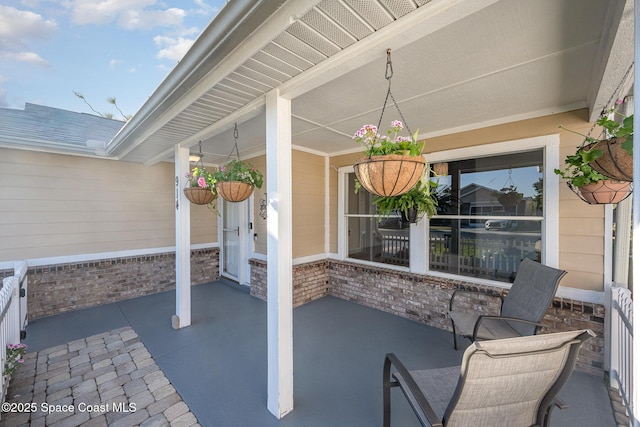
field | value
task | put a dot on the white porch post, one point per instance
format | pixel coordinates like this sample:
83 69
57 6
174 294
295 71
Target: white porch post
635 378
182 317
279 253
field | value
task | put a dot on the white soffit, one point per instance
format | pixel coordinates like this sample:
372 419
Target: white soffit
457 64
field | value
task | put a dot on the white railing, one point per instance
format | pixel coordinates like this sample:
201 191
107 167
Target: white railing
9 322
20 273
622 347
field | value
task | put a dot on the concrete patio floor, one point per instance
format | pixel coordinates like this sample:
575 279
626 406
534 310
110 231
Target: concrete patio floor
218 365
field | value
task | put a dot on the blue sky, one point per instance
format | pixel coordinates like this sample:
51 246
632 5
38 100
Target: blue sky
100 48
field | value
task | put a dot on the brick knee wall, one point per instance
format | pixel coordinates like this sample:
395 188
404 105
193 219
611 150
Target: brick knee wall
426 299
310 281
61 288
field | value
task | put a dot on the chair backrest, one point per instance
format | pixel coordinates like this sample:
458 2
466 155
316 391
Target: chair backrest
513 381
531 294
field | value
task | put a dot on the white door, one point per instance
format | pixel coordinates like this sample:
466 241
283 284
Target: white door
234 251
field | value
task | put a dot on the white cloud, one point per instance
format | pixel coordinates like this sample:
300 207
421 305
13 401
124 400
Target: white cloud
31 58
114 63
172 48
128 14
17 27
147 19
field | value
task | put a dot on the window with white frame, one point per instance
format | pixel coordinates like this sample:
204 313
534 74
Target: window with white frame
490 214
498 204
370 237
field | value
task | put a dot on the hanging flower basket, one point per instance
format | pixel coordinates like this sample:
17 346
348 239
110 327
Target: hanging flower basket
234 191
199 195
615 162
200 186
389 175
604 192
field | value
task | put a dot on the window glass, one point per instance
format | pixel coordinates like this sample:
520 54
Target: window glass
490 214
371 238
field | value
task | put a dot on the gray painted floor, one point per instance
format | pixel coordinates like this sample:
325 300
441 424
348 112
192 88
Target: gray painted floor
218 364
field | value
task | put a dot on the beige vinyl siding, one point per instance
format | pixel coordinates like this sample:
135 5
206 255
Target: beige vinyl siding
57 205
581 225
308 205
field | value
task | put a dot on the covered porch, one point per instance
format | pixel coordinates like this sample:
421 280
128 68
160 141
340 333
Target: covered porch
483 80
218 365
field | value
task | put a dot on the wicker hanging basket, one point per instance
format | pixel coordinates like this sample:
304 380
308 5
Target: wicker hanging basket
234 191
603 192
615 163
389 175
199 195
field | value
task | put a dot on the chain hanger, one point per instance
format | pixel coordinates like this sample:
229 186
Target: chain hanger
388 74
200 162
235 144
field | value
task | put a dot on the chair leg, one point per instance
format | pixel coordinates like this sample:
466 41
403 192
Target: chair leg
455 339
386 393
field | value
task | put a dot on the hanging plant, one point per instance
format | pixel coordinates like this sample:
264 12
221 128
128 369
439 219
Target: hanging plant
236 180
589 184
200 188
615 159
393 164
413 205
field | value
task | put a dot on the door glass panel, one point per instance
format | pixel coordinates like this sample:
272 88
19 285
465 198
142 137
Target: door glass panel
231 238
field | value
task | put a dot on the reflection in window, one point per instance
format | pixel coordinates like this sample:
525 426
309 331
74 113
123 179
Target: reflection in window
490 216
370 238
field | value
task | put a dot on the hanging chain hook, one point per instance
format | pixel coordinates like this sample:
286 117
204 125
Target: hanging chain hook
388 73
235 140
200 162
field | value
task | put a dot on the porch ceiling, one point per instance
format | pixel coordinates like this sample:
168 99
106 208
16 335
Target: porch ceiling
458 65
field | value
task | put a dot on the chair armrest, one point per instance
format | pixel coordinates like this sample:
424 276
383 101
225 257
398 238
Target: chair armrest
414 390
476 328
459 291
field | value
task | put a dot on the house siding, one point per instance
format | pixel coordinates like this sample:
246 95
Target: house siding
56 205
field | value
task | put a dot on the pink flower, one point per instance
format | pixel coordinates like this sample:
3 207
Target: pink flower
397 125
202 182
619 101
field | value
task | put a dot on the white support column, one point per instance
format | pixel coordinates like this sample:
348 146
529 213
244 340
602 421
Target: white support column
419 246
279 256
635 399
182 317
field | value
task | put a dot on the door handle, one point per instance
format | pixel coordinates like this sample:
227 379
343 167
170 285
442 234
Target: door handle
237 230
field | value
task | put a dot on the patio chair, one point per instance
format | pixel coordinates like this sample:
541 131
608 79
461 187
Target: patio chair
521 311
507 382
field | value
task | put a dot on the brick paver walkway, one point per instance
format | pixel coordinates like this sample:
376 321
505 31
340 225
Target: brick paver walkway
108 379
